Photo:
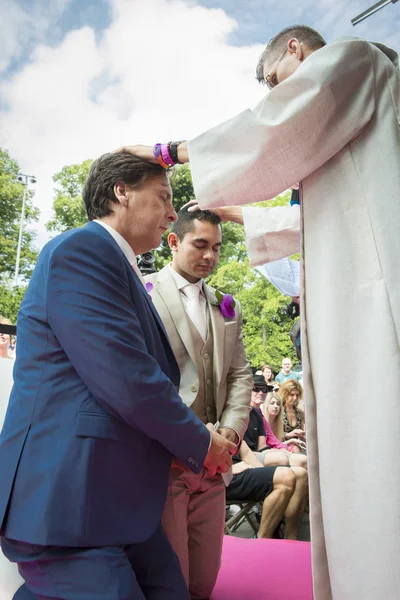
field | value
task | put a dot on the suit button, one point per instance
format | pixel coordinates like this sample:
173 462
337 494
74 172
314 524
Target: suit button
190 460
209 382
206 355
194 388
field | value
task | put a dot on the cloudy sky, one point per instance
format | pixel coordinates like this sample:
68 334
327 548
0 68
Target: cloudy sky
81 77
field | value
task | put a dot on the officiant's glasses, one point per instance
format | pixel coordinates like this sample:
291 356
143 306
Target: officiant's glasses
271 82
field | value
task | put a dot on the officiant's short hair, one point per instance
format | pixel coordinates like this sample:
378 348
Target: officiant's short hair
276 46
186 219
98 192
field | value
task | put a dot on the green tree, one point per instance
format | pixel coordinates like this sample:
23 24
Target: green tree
11 195
265 323
10 301
68 207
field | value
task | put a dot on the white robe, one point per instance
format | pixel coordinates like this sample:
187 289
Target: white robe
334 126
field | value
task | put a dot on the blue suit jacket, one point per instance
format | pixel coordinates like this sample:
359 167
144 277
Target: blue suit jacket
94 416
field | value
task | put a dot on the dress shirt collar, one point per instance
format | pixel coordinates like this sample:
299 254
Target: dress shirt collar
181 282
122 243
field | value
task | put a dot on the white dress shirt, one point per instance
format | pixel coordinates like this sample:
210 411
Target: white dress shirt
125 247
181 282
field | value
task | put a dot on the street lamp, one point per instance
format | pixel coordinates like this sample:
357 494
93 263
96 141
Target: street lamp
370 11
24 180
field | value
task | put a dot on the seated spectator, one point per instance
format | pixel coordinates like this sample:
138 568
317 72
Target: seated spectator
291 393
5 340
286 372
268 375
282 492
273 423
259 436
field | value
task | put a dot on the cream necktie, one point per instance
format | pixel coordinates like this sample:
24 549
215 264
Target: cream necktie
194 309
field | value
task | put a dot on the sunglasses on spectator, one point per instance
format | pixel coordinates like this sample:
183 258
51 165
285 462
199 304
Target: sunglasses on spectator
260 388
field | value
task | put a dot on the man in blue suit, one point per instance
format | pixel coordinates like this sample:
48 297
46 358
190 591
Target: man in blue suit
94 417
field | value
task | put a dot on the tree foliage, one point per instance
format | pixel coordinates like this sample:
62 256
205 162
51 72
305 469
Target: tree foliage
68 207
10 301
265 323
11 196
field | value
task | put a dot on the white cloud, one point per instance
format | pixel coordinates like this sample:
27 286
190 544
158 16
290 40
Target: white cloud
162 70
21 26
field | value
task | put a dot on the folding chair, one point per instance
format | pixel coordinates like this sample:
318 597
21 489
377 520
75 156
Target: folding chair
234 522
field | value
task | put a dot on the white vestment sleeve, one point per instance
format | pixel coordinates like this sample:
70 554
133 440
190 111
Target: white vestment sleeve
271 233
294 130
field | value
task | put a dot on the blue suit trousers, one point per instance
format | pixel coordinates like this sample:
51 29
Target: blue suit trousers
148 570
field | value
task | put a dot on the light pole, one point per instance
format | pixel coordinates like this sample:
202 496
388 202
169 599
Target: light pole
24 180
370 11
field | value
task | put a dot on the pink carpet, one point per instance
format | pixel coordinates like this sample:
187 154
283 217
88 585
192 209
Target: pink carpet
264 570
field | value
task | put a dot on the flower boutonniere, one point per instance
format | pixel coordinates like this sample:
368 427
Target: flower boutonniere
149 286
226 304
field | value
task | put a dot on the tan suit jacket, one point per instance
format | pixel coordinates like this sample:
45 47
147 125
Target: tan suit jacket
232 374
334 125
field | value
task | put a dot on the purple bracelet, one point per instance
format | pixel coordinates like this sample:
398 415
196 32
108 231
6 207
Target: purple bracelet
165 155
156 151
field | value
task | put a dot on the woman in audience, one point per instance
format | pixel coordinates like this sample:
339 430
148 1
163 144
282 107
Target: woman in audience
273 415
291 393
268 374
5 340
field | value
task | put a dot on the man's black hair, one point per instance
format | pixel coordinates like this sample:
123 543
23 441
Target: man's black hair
186 219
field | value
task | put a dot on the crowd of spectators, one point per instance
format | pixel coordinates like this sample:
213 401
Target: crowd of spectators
271 465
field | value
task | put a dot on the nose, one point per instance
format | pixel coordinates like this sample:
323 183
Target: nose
209 255
172 216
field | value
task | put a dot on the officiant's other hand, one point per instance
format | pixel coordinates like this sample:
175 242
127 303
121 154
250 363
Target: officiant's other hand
219 456
225 213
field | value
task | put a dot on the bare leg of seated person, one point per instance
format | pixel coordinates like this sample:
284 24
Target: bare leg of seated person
271 458
276 503
298 460
297 503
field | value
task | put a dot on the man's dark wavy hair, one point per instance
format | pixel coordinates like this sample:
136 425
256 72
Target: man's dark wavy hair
98 192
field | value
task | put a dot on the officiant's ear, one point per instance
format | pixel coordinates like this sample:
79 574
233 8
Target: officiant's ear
121 192
296 48
173 241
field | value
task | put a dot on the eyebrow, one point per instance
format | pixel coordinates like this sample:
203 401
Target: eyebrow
203 241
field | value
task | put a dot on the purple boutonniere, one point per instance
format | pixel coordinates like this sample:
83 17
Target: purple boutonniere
149 286
227 304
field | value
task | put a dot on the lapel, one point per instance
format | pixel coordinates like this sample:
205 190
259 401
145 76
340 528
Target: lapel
171 299
218 327
138 284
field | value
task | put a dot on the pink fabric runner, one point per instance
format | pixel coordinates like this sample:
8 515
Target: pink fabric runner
264 570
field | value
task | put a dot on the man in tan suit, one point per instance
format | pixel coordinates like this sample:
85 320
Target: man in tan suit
216 382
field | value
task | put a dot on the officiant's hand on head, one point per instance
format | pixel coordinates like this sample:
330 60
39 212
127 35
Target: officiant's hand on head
225 213
219 456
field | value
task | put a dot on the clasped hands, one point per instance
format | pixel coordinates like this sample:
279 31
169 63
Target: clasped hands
223 446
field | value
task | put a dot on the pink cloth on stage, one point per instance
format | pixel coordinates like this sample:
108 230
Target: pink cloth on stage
263 569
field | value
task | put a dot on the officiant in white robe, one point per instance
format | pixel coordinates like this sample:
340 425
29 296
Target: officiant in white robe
334 126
